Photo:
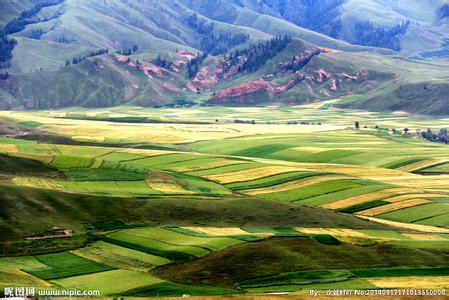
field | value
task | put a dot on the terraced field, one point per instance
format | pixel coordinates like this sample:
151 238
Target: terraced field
179 207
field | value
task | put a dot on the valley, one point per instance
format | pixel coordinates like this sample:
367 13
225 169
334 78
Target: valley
179 200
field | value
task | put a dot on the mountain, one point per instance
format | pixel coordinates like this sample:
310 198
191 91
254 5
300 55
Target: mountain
414 28
57 53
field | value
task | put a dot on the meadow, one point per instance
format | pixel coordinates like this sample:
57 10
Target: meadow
296 196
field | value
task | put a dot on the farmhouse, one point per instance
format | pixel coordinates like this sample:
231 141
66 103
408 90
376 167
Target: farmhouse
54 232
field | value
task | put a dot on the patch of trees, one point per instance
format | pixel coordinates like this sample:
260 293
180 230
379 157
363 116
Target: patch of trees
257 55
238 121
78 59
298 64
6 47
322 16
36 34
440 136
443 11
128 51
367 34
193 66
64 40
18 24
212 41
4 76
162 62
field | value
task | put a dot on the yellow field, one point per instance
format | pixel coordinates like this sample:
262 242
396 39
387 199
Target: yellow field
46 159
423 237
159 132
16 277
251 174
411 196
415 227
421 164
392 207
208 165
360 199
343 232
440 182
93 139
6 148
168 188
293 184
145 152
40 183
218 230
412 282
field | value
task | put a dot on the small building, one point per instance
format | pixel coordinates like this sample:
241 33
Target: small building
54 232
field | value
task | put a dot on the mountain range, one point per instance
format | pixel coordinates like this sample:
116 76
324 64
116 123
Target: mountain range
374 54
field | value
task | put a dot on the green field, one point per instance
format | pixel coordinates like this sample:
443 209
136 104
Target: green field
61 265
179 207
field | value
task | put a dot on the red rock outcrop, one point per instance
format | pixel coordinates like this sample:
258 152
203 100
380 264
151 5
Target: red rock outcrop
323 75
252 87
171 87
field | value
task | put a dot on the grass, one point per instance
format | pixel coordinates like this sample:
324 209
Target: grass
108 283
65 264
171 237
149 214
343 194
312 190
169 289
271 180
417 213
16 277
403 162
396 272
355 283
325 239
239 236
363 206
71 162
277 255
31 124
103 175
155 247
298 278
121 257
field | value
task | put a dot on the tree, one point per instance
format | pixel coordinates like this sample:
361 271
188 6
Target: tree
406 130
357 125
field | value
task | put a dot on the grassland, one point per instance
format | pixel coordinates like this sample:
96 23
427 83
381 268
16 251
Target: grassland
179 207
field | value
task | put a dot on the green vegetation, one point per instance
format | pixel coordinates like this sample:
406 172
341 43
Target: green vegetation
155 247
417 213
65 264
166 220
274 256
295 278
313 190
397 272
271 180
168 289
325 239
103 175
109 282
363 206
71 162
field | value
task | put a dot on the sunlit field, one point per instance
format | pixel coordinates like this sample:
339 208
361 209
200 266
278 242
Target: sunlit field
316 203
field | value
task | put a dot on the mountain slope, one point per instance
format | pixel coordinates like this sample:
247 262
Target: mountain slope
369 22
151 53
